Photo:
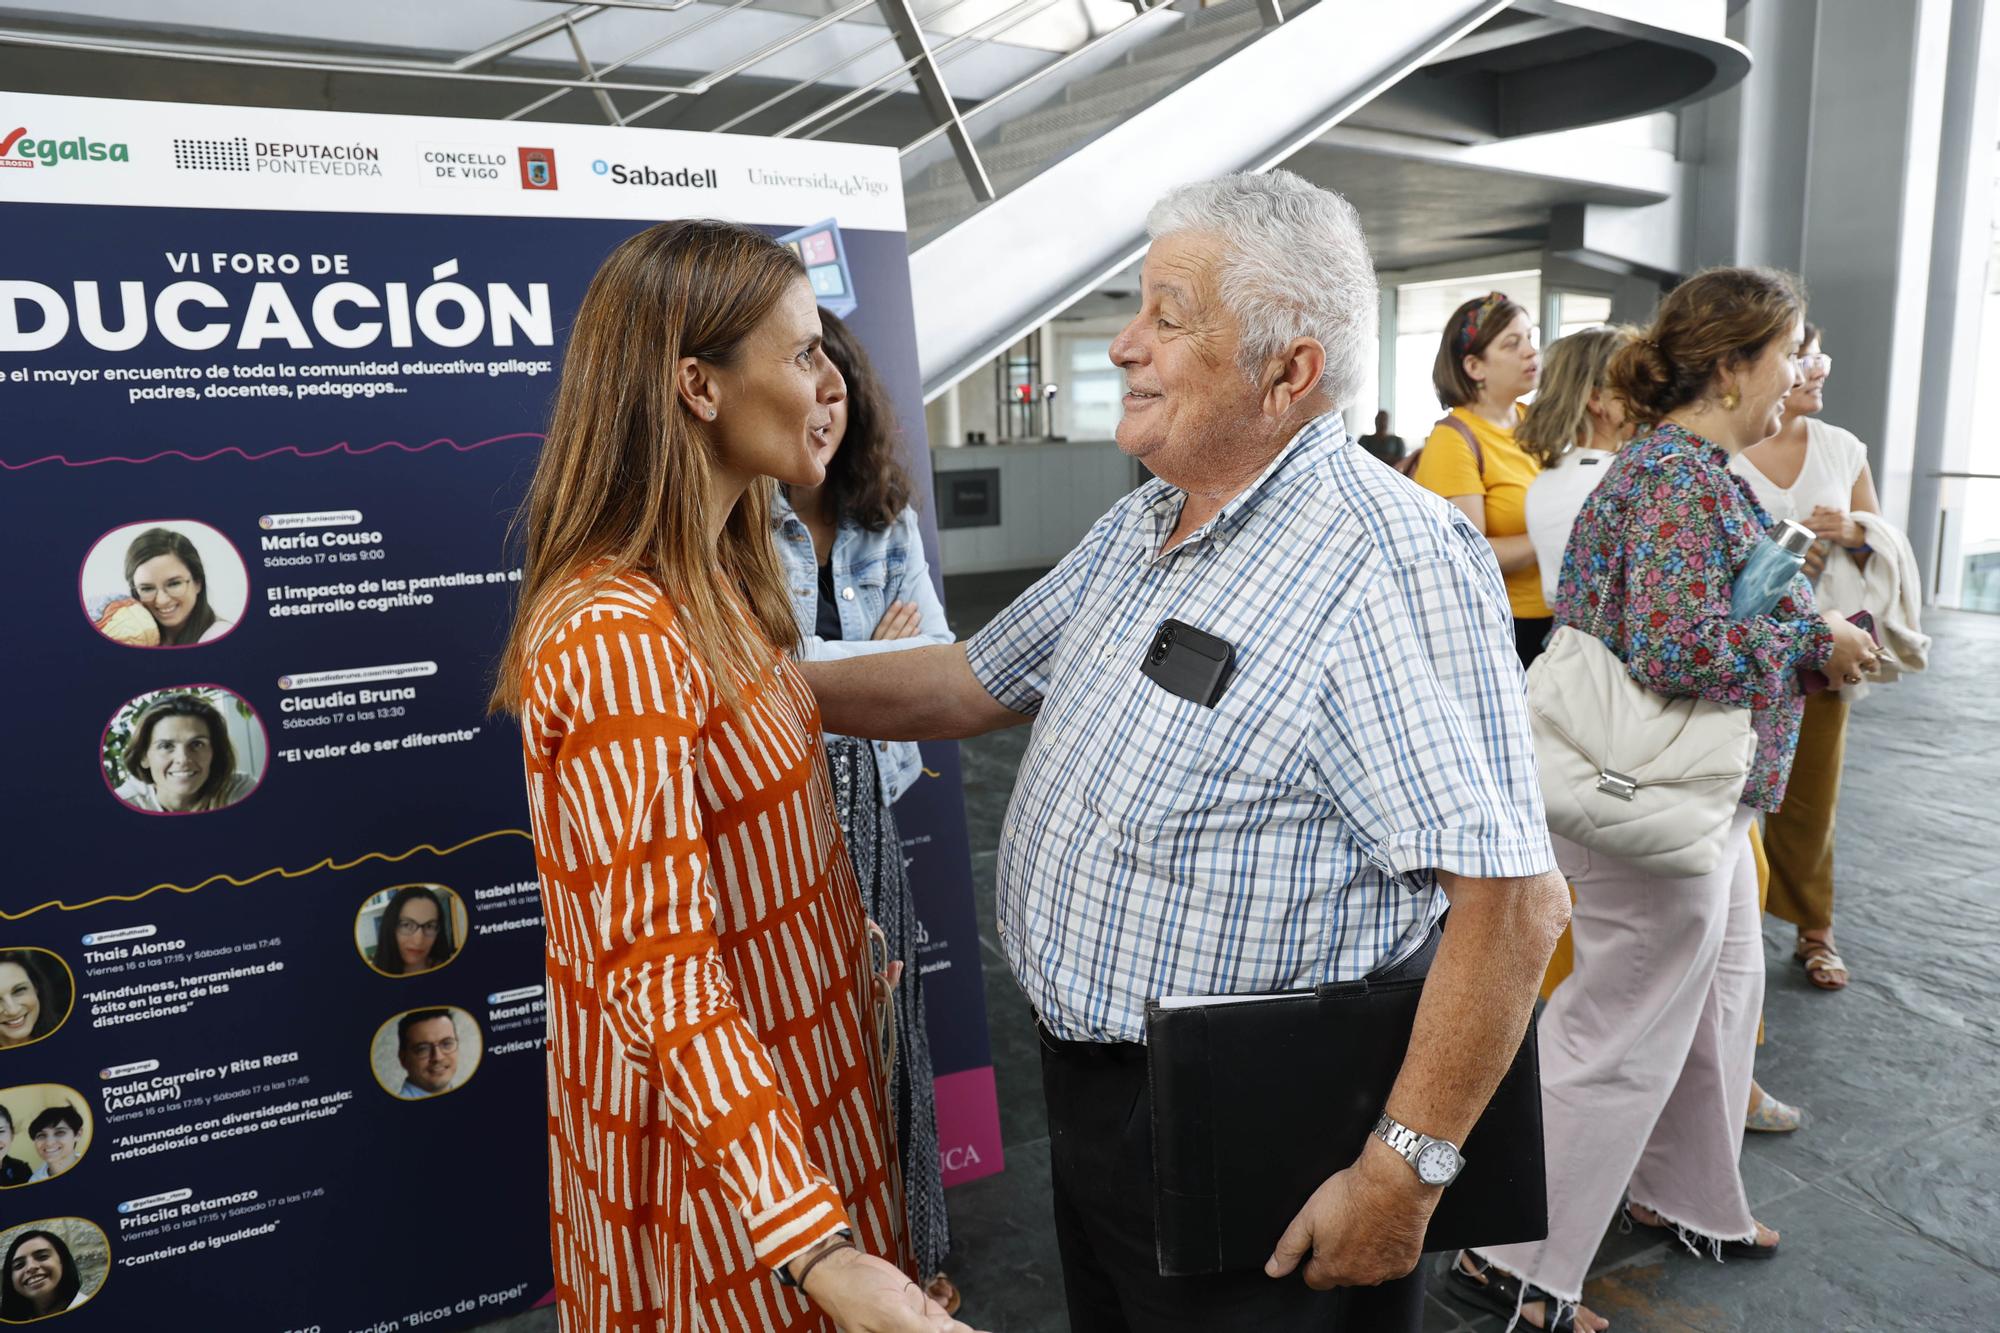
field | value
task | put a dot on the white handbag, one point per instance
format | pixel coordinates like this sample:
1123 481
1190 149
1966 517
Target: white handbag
1651 780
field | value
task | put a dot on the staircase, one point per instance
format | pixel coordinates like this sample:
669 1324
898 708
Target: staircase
937 196
1216 92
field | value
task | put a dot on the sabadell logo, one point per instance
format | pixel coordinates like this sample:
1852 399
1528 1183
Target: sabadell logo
18 149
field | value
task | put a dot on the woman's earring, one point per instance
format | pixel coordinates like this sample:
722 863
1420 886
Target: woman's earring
1729 401
710 414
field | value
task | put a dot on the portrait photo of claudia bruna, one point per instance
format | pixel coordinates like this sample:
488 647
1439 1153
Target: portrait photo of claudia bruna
36 992
170 583
45 1130
50 1267
407 930
186 750
426 1052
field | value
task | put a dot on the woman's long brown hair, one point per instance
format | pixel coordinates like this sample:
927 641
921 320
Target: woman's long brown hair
624 476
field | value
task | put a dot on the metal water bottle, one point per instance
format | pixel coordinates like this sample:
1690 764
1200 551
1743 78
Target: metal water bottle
1770 568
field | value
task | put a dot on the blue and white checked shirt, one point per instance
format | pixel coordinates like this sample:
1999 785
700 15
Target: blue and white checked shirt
1375 730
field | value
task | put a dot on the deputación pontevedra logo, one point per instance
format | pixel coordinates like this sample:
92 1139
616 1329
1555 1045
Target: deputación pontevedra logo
19 148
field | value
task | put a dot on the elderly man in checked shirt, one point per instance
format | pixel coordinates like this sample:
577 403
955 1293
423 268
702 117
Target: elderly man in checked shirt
1367 764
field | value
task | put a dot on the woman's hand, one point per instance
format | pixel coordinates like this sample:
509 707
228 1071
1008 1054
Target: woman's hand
1836 526
863 1294
1854 653
900 621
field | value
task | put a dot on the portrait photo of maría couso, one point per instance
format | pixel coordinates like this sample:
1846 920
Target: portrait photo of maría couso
185 750
172 583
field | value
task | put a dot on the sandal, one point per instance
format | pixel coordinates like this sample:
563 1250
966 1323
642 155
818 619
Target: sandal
1723 1250
1771 1116
1823 966
1504 1294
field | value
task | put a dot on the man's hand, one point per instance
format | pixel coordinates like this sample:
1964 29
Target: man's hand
1363 1226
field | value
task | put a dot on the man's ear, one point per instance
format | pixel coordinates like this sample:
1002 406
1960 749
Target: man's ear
698 387
1293 374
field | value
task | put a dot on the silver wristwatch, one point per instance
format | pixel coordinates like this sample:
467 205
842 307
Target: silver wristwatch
1435 1161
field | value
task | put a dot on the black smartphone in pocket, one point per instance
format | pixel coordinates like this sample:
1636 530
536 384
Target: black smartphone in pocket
1189 663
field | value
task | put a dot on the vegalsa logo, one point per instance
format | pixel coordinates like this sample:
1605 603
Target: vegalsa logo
19 150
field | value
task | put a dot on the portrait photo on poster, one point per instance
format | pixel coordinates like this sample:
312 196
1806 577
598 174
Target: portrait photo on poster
164 583
37 990
50 1267
184 750
426 1052
407 930
45 1131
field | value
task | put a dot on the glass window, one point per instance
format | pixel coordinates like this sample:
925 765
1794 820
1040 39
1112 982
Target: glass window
1577 311
1421 311
1093 390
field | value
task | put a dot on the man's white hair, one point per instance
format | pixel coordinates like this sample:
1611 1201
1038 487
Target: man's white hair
1295 264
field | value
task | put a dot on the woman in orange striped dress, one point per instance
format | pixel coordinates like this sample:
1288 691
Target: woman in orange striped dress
719 1151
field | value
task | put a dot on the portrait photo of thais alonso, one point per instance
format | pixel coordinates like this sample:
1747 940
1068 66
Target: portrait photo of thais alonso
407 930
36 992
184 751
50 1267
171 583
423 1053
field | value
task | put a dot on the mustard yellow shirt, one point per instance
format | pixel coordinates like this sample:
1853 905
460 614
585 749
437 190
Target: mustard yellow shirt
1446 467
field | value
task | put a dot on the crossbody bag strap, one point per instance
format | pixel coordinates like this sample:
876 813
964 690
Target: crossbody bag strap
1471 442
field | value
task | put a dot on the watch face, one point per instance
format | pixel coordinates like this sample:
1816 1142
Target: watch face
1437 1164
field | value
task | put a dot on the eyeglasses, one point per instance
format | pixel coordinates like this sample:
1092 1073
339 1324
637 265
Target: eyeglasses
1815 363
426 1049
174 587
415 928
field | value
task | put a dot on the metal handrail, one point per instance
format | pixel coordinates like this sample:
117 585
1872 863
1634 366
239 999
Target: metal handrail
656 6
813 80
637 53
269 58
909 66
946 54
1059 62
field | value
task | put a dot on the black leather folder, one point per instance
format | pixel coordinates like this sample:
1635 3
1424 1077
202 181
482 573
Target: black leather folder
1257 1101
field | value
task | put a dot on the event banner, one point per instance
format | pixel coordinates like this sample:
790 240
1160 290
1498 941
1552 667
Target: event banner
271 1006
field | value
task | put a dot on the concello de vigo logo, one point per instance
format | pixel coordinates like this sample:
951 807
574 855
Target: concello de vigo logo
20 149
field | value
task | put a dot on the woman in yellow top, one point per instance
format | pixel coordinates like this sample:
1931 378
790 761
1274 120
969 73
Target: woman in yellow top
1485 363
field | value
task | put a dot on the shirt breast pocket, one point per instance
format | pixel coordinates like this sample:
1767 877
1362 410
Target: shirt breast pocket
1184 767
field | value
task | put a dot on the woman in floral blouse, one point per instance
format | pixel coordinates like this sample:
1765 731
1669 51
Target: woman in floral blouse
1647 1049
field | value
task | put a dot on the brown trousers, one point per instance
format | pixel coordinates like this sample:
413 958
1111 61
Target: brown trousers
1799 838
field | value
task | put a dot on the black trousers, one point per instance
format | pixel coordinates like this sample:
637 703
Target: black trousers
1101 1165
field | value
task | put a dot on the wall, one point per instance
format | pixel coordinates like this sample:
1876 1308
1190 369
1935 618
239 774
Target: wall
1050 494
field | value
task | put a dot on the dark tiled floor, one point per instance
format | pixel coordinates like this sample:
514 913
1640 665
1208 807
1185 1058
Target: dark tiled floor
1887 1200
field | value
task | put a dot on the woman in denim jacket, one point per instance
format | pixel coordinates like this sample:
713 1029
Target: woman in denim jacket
860 584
